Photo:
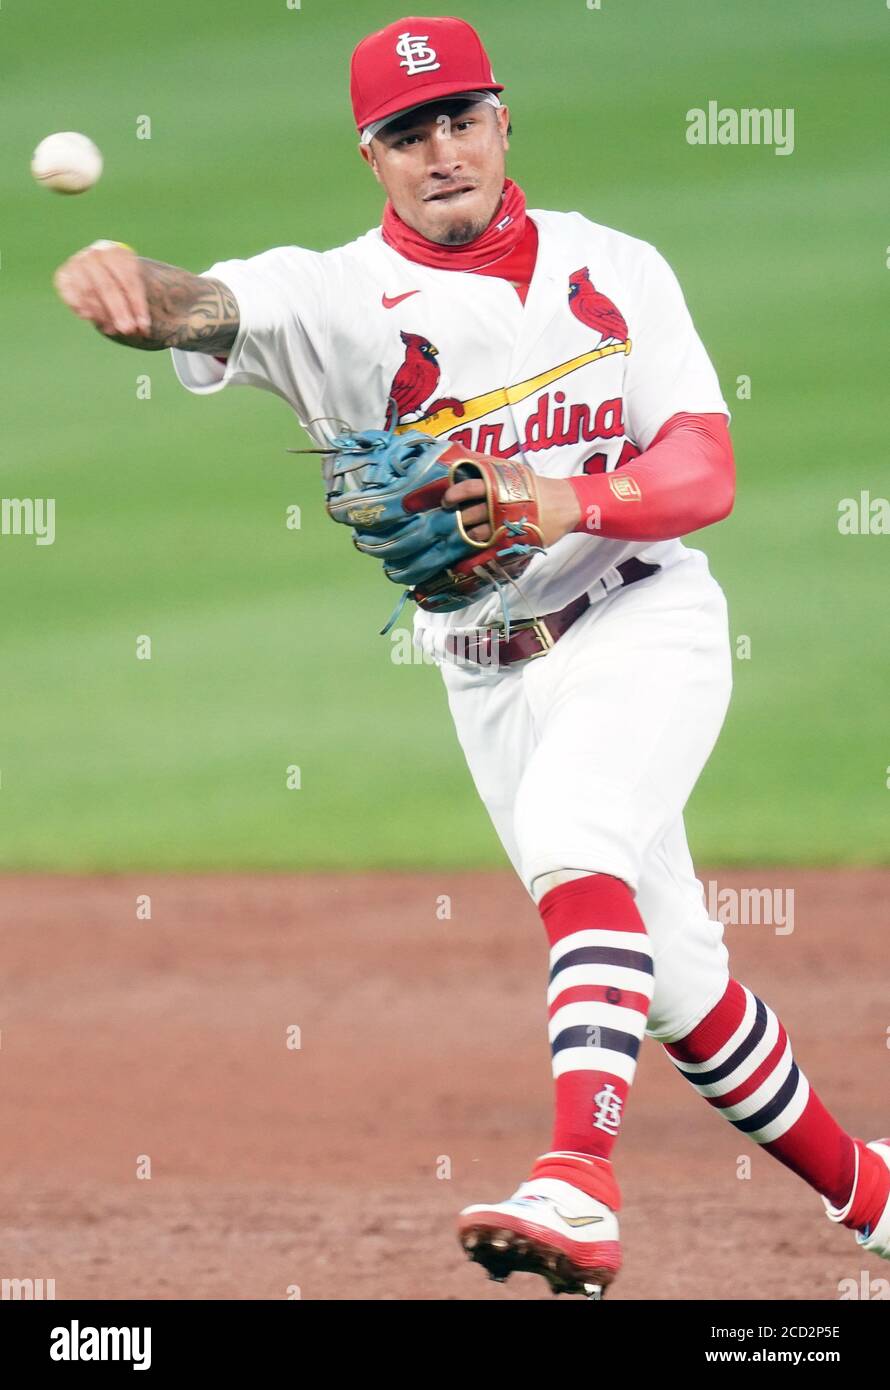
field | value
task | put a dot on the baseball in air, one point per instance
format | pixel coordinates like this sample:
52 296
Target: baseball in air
67 162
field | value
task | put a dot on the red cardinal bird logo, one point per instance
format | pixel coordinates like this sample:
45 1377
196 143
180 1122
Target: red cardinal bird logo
594 309
417 379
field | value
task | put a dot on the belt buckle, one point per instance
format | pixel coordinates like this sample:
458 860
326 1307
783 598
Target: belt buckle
496 633
543 634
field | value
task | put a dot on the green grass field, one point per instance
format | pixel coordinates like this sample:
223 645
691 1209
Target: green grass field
170 511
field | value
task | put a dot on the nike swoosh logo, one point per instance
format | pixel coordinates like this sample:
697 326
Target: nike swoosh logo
397 299
577 1220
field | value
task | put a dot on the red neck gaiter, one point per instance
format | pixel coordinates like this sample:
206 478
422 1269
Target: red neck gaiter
502 235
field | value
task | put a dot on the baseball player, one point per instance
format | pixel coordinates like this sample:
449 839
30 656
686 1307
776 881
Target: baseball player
531 389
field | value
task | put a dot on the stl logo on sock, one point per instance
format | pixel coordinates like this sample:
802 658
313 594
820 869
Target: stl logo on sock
608 1113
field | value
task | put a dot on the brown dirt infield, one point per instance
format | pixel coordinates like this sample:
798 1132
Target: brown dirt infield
421 1040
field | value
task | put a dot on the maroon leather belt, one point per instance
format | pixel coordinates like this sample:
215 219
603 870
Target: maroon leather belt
532 637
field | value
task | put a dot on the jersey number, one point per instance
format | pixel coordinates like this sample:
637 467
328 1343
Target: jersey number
597 462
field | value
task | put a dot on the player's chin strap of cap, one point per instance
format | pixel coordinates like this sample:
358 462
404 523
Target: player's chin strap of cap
369 132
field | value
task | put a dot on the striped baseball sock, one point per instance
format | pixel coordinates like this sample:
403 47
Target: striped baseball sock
739 1058
601 983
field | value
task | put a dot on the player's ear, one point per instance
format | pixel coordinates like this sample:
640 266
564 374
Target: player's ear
368 156
503 117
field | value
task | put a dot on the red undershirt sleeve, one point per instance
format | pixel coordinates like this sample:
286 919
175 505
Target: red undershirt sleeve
685 480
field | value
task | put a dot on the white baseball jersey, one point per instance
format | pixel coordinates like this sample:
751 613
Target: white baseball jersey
334 332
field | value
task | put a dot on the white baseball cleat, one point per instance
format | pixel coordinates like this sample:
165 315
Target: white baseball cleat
548 1227
875 1239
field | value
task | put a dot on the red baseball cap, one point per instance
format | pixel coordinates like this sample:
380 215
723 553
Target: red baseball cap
414 61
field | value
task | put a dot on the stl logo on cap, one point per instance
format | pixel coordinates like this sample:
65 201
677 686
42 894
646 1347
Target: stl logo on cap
416 54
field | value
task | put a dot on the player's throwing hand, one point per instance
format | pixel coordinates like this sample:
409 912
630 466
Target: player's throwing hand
103 284
148 304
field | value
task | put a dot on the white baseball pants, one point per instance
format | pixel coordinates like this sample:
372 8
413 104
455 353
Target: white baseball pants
585 759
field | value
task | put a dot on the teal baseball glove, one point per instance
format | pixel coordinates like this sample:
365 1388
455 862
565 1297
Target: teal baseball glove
389 489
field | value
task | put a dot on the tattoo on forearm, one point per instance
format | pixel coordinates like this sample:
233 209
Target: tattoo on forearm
187 311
